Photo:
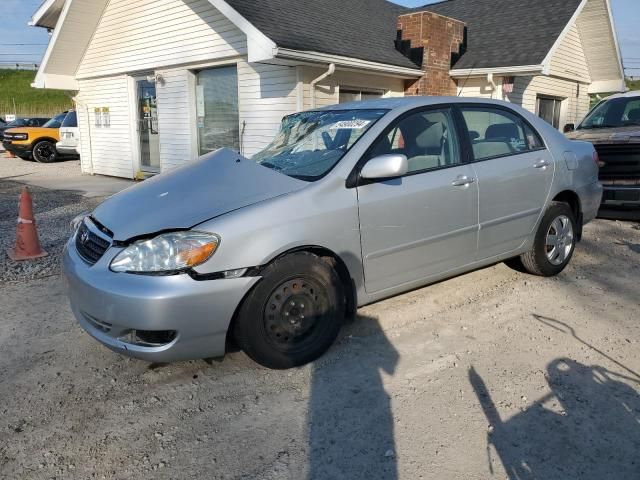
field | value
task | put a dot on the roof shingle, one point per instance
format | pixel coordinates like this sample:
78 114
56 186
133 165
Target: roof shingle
501 33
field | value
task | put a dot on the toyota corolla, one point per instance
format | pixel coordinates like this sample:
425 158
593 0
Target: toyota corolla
348 205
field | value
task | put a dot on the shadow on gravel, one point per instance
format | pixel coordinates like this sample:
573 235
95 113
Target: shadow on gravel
350 424
588 427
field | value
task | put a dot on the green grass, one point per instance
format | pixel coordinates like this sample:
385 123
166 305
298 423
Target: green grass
15 86
633 84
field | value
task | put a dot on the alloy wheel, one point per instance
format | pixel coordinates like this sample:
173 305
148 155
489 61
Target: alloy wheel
559 240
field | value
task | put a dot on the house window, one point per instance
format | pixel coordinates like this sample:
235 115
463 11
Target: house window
548 108
217 109
348 94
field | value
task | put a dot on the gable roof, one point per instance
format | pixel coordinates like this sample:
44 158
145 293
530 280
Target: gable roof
507 33
363 29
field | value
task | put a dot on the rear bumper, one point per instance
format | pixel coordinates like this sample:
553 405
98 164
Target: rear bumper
67 148
621 196
110 306
590 199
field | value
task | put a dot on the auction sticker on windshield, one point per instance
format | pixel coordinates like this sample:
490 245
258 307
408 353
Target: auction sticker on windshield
350 124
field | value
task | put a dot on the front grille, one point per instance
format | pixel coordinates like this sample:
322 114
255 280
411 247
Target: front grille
621 161
90 246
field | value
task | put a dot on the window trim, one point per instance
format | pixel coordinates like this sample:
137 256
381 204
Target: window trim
467 140
360 90
559 100
354 180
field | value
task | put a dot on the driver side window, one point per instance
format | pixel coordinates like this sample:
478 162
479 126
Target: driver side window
428 139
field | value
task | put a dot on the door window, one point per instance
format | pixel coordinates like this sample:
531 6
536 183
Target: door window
495 133
548 109
428 139
148 126
217 109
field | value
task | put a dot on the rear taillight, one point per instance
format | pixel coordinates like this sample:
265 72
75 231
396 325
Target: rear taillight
596 159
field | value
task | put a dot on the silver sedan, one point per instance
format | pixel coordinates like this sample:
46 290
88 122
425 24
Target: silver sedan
348 205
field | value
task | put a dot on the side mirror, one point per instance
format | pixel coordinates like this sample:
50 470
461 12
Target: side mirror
385 166
569 127
473 135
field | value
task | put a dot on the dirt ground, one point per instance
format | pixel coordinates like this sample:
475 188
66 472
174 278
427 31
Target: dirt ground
494 374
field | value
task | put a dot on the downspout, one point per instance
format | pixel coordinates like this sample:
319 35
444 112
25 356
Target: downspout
312 85
491 82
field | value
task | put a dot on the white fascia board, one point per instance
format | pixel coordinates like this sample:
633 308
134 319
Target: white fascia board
56 82
615 41
260 47
44 8
348 62
608 86
565 31
508 71
41 77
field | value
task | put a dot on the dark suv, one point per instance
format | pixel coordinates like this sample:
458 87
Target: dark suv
613 126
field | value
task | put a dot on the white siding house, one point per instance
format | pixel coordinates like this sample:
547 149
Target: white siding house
129 48
585 59
159 83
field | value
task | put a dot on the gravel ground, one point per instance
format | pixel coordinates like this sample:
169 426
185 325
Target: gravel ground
54 210
494 374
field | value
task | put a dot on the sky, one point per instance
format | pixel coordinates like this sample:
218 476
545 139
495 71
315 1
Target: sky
16 14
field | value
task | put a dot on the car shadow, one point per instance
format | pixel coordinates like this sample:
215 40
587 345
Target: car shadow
350 421
587 427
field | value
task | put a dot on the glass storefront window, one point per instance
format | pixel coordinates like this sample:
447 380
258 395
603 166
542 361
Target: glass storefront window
217 109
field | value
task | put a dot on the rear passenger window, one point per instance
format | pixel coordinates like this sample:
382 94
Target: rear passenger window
428 139
496 133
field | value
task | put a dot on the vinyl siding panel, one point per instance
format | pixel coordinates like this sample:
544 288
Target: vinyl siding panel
327 92
526 89
266 94
569 60
598 41
574 94
105 150
176 118
139 35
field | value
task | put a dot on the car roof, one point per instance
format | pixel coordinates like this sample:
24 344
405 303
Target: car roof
410 102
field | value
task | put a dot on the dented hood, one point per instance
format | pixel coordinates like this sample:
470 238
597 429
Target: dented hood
211 186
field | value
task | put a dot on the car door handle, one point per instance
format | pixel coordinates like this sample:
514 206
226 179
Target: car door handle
541 164
463 181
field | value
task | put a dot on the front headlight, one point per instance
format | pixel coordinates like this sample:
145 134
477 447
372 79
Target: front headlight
167 253
20 136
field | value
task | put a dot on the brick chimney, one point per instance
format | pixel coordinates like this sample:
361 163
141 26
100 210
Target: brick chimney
438 39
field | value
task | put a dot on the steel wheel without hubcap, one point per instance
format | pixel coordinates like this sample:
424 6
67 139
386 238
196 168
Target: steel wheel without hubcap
293 312
559 240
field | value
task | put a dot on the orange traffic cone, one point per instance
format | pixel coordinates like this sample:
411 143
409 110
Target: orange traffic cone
27 243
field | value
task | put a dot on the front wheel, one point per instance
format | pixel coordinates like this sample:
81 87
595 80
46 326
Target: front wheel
45 152
554 243
293 315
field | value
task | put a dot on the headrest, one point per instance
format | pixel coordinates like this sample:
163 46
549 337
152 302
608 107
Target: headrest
502 130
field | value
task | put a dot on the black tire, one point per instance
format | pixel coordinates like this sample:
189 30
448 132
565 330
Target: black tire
45 151
538 261
293 315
